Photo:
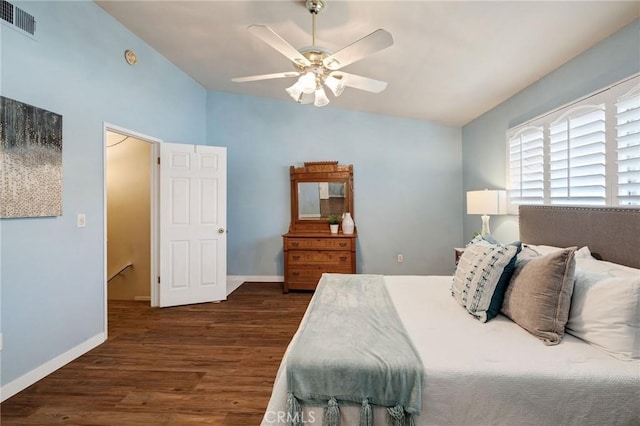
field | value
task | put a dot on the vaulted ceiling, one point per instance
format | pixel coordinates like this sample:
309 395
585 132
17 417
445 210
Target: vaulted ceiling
451 60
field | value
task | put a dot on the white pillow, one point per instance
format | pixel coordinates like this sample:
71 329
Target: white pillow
605 307
583 253
603 267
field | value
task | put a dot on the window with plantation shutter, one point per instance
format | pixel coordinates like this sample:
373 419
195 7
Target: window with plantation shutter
577 157
526 166
585 153
628 147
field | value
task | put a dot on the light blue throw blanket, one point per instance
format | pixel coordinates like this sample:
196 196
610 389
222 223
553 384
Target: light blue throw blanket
353 349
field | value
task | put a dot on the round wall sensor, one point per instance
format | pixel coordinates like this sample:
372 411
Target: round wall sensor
130 57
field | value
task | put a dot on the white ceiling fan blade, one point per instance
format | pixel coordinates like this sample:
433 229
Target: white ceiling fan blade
362 83
374 42
269 36
265 76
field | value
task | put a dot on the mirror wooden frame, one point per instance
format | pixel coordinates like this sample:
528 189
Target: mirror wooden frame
321 171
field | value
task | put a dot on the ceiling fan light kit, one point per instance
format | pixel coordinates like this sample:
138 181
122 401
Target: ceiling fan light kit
316 68
321 97
336 85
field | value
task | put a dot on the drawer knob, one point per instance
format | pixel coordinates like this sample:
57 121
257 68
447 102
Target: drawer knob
343 258
295 273
295 244
296 257
343 244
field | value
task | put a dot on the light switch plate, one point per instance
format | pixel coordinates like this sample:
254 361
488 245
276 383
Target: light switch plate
82 220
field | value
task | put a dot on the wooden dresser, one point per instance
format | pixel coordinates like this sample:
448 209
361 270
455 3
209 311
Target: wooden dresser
318 190
307 256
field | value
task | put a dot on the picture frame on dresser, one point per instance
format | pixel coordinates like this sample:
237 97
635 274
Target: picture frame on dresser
318 189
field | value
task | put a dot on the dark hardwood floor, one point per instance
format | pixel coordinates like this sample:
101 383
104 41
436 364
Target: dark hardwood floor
207 364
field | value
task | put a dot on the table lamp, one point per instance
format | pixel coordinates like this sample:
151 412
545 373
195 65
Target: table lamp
486 202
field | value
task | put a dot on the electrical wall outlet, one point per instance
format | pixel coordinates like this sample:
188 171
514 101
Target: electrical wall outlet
1 342
400 258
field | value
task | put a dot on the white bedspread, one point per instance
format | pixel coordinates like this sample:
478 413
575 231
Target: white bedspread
494 373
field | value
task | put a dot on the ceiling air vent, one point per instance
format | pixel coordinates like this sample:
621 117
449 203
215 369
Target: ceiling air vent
17 17
6 11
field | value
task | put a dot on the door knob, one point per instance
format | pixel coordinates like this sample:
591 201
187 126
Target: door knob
220 230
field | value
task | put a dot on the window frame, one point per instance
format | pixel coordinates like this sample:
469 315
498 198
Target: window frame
609 97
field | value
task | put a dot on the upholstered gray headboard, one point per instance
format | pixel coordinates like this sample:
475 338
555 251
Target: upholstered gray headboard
611 232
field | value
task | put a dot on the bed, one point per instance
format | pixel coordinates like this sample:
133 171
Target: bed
498 373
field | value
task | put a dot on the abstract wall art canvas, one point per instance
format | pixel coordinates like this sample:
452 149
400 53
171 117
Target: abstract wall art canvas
30 160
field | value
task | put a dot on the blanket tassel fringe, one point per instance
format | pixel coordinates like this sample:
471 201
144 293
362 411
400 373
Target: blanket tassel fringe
331 415
294 411
366 414
396 416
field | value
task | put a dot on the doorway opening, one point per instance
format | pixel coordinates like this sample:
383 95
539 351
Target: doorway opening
130 190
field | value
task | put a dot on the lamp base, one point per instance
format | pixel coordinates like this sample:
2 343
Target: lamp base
485 225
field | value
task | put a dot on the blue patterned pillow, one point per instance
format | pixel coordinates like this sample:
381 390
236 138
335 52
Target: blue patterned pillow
482 276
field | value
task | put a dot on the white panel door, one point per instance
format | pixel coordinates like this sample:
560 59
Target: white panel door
193 238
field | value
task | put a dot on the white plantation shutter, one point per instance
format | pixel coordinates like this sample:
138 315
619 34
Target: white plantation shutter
526 167
586 153
577 157
628 148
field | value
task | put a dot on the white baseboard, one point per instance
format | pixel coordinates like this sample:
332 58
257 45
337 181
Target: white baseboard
26 380
234 281
142 298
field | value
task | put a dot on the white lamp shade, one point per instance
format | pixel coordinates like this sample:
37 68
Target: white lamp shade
295 91
307 98
335 85
321 98
487 202
308 82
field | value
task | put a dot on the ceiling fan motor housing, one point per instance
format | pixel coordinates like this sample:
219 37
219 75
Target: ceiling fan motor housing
316 55
315 6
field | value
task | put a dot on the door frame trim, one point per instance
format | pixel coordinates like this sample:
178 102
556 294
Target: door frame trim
154 191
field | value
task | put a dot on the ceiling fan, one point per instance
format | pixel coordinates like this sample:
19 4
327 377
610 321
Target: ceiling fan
316 67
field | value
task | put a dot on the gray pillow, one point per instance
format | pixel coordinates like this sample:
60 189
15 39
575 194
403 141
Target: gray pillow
538 297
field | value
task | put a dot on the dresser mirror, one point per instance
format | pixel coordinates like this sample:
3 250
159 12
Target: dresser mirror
319 189
318 200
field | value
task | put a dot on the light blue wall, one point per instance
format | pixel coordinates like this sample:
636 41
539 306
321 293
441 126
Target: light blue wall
407 180
52 273
483 139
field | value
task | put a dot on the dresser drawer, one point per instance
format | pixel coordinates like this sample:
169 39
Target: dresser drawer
308 256
306 275
318 244
326 258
